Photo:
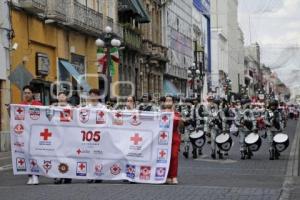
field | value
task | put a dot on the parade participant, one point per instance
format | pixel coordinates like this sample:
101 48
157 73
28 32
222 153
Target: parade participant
273 121
208 108
173 171
93 102
214 127
29 100
62 101
246 122
227 117
130 103
185 108
145 104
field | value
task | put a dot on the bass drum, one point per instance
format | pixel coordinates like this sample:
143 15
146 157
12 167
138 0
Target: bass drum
281 142
198 139
253 141
224 141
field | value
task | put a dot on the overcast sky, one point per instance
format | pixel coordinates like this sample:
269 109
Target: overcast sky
275 25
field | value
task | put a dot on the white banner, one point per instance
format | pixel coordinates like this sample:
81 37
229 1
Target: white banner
90 143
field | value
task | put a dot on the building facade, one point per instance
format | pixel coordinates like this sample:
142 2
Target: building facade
227 46
154 55
178 37
202 45
253 72
56 42
5 97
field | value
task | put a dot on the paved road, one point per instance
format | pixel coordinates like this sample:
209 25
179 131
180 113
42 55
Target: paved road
201 179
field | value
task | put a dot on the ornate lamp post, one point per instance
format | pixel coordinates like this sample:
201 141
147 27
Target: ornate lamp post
107 42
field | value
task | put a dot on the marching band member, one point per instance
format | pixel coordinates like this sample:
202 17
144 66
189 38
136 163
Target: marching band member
215 128
62 101
28 100
246 124
173 171
226 116
273 120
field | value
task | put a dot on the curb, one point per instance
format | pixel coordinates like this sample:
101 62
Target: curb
292 166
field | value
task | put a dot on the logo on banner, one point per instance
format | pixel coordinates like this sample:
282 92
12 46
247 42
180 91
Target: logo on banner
19 147
98 169
130 171
136 139
34 113
19 113
118 118
45 137
63 168
135 119
162 156
49 113
19 129
100 117
34 166
66 115
164 121
115 169
84 115
21 164
163 138
47 165
160 173
145 172
79 152
81 169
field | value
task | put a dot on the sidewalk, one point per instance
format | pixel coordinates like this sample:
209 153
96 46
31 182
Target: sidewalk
5 161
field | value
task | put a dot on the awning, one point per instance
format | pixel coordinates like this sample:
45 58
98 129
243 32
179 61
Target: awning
74 73
136 6
170 88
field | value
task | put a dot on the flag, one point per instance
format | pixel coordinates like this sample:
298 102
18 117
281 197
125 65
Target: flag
114 61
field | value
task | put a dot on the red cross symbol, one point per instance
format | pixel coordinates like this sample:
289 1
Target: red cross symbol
81 166
164 118
136 139
162 153
21 161
163 135
101 114
78 151
46 134
118 115
20 110
33 163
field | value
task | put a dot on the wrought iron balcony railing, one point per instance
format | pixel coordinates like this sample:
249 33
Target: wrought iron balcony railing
36 6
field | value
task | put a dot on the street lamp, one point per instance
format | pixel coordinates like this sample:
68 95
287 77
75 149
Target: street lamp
107 42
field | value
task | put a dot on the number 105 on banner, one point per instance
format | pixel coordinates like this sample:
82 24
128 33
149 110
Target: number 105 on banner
63 140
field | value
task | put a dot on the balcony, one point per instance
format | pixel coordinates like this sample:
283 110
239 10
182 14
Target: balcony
132 39
84 19
35 6
56 9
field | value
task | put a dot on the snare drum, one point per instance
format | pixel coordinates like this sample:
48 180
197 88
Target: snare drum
253 141
198 139
281 141
224 141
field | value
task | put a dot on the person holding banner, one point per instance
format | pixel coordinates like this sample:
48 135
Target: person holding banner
62 101
173 171
94 103
29 100
130 103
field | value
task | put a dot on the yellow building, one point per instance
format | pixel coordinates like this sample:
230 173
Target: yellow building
55 39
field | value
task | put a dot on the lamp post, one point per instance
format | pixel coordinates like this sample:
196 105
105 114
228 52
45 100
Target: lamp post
200 65
107 42
193 73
